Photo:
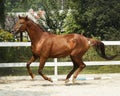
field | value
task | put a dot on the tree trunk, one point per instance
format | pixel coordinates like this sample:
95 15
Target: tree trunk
2 14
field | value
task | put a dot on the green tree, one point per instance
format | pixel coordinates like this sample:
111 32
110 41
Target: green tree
55 11
70 25
99 18
2 13
17 5
55 14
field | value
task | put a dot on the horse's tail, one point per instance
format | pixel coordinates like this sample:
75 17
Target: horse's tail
100 49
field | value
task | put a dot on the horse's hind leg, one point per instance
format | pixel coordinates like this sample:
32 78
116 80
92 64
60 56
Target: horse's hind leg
75 66
41 66
33 58
79 69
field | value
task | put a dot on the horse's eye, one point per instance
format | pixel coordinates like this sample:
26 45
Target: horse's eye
20 23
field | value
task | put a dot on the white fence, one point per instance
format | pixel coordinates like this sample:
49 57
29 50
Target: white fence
55 63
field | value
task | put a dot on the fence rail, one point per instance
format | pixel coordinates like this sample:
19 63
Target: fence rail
55 63
88 63
14 44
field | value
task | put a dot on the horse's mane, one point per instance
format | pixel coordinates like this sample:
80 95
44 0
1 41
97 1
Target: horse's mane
40 27
31 21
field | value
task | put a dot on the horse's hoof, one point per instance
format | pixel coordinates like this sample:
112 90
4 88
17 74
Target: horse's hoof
32 76
67 80
49 79
73 80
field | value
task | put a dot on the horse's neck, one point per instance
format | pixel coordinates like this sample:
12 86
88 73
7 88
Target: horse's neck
35 32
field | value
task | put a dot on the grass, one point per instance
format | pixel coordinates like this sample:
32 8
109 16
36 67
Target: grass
21 71
19 54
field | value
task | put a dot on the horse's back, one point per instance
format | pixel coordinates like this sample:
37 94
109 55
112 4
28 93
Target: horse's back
63 45
81 44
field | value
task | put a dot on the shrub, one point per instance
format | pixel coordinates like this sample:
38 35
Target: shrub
6 36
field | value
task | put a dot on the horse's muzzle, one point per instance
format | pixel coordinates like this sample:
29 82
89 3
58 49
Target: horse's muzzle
14 32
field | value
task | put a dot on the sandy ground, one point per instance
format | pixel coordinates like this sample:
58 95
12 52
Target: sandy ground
24 86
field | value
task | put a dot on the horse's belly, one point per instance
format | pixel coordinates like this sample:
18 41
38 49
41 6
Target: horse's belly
60 53
62 49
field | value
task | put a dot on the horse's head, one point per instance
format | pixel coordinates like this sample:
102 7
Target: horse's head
20 25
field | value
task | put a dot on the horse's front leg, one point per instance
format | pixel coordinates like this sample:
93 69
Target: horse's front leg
32 59
41 66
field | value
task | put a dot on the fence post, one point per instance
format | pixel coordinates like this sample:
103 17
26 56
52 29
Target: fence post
55 68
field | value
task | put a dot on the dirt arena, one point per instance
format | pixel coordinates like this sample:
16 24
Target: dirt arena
24 86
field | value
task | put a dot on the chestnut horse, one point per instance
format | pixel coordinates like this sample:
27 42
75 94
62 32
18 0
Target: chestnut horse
46 45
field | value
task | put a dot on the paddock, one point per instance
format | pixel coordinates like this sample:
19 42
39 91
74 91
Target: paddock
86 84
24 86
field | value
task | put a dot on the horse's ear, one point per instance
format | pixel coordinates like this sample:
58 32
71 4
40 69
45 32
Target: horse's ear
26 18
19 16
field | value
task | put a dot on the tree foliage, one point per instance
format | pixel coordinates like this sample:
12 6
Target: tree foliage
70 25
99 18
6 36
55 14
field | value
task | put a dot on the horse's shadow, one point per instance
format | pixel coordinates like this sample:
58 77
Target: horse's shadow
63 84
75 84
46 84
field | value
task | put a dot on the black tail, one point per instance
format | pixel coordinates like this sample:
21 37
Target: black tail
100 49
